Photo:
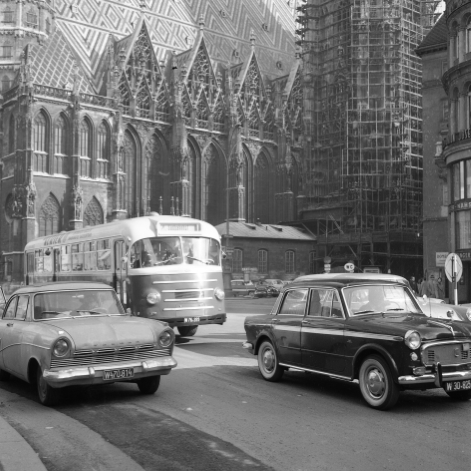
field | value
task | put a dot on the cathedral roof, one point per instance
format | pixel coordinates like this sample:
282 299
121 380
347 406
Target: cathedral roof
436 39
174 26
264 231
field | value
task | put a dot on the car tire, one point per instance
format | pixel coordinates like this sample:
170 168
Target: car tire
187 330
149 385
48 396
252 293
268 364
377 384
459 395
4 375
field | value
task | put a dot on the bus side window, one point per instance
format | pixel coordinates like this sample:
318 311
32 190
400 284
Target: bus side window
90 256
30 267
65 258
104 254
77 257
39 261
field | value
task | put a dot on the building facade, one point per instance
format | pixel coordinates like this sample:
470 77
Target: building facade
454 158
364 115
115 110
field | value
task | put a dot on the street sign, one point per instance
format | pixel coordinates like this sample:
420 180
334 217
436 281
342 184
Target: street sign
453 267
249 270
349 267
440 258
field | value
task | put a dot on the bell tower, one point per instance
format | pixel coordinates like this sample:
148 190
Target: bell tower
22 22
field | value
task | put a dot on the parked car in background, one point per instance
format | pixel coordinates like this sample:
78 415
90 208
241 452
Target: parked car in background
277 283
242 288
261 290
77 333
367 327
272 291
437 308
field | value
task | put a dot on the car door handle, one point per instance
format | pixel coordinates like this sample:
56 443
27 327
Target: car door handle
10 324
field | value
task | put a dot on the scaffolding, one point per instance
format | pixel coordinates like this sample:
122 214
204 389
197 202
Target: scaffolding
363 117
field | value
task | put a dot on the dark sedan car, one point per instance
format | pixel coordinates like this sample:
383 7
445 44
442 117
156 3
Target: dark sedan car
364 327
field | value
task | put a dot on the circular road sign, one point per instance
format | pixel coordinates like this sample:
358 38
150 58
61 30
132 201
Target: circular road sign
349 267
456 266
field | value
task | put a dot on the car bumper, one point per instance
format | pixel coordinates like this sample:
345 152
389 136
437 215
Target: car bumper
249 347
434 379
87 375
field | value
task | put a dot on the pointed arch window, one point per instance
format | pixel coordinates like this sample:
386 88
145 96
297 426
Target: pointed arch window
60 153
40 143
237 260
7 52
49 217
263 261
128 180
214 172
93 214
103 151
11 135
158 176
85 153
262 189
32 19
290 262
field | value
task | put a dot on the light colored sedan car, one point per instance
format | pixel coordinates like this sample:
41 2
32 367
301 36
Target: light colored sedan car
63 334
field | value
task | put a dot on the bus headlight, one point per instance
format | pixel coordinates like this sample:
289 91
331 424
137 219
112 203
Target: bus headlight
166 338
413 339
154 297
219 294
468 314
61 348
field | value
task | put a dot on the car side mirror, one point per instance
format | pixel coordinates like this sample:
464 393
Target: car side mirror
450 313
424 297
224 255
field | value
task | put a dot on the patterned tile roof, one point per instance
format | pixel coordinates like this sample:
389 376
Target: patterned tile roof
53 64
265 231
174 25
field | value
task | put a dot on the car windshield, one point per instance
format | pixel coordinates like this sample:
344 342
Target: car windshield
76 303
367 299
161 251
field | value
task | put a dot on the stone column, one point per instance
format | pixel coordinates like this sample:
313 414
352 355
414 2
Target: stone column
462 121
453 124
451 51
461 44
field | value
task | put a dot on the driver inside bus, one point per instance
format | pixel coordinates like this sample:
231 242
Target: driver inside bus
171 254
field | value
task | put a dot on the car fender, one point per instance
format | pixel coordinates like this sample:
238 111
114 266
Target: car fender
263 334
372 348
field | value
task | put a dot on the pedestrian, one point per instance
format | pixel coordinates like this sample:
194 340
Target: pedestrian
430 287
413 285
420 286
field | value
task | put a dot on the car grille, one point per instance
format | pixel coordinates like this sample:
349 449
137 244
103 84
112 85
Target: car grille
187 294
446 354
110 355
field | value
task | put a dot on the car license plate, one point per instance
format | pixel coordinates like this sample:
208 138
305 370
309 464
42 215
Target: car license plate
462 385
118 374
192 319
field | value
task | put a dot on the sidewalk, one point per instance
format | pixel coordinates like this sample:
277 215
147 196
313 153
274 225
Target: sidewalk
15 452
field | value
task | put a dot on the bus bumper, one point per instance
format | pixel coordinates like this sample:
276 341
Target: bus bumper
196 320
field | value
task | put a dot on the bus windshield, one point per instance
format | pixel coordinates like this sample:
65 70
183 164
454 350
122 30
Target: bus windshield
160 251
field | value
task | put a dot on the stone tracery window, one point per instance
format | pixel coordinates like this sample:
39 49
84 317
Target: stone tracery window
214 173
262 189
6 83
103 151
60 152
85 148
93 214
7 15
40 143
11 134
49 217
158 176
129 166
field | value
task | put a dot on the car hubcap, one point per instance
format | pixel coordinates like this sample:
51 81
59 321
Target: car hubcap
268 359
375 383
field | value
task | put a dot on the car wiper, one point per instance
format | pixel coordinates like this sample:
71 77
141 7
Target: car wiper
395 309
365 312
208 261
90 311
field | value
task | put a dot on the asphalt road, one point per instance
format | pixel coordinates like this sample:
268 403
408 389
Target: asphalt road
215 412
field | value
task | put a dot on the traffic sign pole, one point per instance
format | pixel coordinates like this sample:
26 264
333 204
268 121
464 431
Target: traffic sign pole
455 282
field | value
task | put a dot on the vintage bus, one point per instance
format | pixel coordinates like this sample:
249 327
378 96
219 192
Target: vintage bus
162 267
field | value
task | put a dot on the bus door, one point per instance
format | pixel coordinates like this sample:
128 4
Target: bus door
29 268
56 263
119 275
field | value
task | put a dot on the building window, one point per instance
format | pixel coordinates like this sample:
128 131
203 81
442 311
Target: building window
40 135
85 149
60 130
5 83
263 261
289 262
93 214
312 261
31 20
11 135
103 151
8 16
237 259
456 181
7 52
463 229
49 217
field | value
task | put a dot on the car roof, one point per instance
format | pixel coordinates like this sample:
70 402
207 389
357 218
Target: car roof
346 279
61 286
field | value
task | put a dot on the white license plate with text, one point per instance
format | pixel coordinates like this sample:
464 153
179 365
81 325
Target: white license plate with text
462 385
192 319
118 374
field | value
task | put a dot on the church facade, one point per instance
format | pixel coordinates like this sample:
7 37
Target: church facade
116 109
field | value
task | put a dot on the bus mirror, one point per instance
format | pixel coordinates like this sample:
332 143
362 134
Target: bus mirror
124 260
224 255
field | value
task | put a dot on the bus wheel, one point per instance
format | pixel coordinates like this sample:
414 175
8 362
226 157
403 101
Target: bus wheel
149 385
187 330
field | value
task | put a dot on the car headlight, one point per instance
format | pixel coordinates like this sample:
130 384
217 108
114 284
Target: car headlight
219 294
468 314
61 348
154 297
166 338
413 339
